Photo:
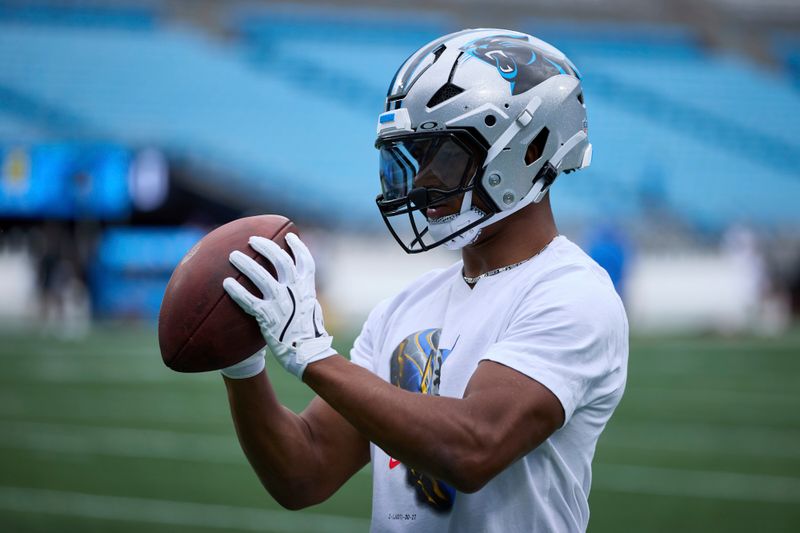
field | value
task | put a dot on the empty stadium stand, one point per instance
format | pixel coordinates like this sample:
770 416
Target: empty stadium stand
284 113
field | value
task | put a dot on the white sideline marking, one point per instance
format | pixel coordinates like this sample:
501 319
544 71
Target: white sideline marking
695 483
191 514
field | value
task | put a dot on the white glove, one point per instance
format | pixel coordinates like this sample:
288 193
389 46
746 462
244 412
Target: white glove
289 315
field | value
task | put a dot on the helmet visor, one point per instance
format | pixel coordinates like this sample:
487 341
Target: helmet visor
439 163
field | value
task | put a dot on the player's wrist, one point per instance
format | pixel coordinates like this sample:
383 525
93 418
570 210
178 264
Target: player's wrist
324 354
295 356
310 350
248 368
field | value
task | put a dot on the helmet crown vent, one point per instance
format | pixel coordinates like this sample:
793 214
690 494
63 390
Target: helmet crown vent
445 93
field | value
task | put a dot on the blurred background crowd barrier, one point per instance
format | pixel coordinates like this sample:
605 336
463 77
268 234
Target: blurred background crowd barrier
130 128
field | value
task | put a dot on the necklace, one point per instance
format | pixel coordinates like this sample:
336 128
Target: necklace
473 281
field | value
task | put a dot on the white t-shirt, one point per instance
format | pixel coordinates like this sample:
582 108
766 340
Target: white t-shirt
556 319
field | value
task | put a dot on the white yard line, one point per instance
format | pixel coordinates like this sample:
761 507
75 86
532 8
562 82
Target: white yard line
204 447
47 349
115 407
121 442
125 442
152 511
727 396
222 449
718 485
69 370
748 347
99 370
697 438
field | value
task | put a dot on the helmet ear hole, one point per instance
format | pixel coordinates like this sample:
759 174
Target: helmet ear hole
536 147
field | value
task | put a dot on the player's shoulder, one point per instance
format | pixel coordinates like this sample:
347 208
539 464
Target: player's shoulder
569 278
567 264
572 293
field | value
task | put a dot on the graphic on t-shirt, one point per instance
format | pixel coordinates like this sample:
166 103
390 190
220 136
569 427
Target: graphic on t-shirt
416 366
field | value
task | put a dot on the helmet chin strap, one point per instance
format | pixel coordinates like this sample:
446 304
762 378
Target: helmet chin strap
454 223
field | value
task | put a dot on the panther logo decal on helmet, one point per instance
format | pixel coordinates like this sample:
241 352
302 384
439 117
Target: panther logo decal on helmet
518 61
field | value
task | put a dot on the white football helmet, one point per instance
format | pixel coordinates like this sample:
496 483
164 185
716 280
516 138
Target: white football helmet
486 113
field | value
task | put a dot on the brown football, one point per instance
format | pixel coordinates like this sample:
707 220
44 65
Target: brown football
200 327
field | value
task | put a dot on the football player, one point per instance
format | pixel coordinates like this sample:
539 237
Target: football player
480 391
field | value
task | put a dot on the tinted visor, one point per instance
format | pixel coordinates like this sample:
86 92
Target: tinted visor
439 162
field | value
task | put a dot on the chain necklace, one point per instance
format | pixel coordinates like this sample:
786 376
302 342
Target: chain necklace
473 281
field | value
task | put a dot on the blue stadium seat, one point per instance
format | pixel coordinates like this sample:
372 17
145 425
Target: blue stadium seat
200 101
287 113
786 48
81 14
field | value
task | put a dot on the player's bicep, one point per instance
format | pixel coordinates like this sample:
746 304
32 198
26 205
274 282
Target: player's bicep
340 449
518 412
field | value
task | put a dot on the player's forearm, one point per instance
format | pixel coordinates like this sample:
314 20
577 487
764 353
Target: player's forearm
275 440
431 433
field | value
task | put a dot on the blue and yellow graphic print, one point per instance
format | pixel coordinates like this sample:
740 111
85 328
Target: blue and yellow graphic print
416 366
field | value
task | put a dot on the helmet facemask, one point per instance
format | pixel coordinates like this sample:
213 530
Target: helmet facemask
421 173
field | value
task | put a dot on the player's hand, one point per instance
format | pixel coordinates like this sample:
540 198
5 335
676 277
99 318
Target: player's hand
289 315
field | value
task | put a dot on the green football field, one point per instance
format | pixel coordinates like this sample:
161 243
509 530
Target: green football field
97 435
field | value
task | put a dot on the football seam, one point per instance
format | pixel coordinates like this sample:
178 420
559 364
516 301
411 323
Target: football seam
223 295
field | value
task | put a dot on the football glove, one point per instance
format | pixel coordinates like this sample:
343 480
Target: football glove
289 315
